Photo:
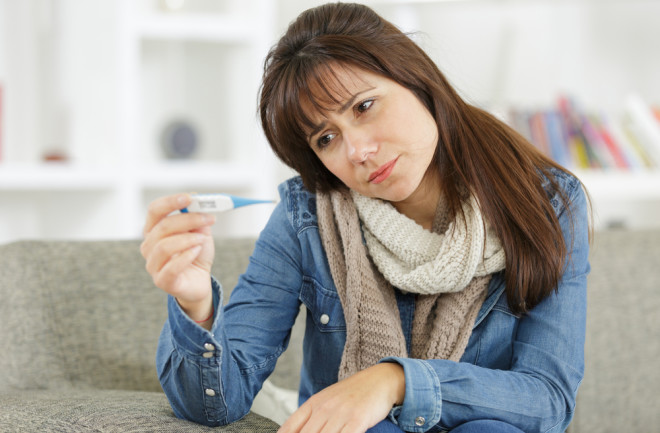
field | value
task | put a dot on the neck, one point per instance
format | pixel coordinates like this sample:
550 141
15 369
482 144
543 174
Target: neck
422 203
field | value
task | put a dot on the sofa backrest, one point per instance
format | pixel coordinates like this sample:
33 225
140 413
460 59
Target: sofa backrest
621 388
86 314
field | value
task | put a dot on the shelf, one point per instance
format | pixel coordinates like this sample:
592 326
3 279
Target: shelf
166 175
622 185
54 177
204 175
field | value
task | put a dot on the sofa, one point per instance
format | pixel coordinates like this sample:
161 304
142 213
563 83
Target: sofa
81 319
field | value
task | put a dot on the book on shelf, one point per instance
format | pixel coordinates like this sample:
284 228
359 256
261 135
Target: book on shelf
581 139
644 124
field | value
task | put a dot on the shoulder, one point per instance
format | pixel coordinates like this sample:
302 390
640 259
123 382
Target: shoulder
562 188
299 203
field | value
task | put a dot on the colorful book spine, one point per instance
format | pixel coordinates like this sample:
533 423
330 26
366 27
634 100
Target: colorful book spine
596 141
556 138
575 138
644 125
537 131
578 139
585 158
613 147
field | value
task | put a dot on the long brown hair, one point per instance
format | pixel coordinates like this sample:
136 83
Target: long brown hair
476 152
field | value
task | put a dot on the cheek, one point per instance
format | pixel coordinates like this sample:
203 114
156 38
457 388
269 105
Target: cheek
426 137
333 163
342 170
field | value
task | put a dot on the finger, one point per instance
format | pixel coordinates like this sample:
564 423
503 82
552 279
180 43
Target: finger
331 424
297 420
163 206
171 247
168 275
325 419
177 224
317 425
354 426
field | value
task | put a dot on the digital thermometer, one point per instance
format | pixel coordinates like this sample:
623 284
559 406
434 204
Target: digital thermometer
219 203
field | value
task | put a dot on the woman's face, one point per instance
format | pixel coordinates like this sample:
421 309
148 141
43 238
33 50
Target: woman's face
379 140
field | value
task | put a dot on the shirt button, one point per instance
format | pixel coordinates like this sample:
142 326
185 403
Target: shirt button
325 319
209 392
207 354
420 421
209 347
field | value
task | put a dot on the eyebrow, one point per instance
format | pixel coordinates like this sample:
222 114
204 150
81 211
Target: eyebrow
341 110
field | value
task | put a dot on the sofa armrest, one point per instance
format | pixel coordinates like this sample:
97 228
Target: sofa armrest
106 411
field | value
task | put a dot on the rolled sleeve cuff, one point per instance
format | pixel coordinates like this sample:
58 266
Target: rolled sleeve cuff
422 404
187 336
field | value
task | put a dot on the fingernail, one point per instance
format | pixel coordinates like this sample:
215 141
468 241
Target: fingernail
209 218
181 200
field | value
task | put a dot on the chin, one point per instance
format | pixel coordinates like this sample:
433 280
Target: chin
396 194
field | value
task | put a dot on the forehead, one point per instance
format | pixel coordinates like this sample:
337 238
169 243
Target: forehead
336 82
328 88
330 85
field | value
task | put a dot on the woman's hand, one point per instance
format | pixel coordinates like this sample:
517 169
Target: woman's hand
179 250
352 405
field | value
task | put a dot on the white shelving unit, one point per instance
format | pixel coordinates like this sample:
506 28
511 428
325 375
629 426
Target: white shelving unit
100 80
200 64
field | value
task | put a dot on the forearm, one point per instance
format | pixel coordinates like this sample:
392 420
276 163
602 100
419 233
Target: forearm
447 393
211 376
195 367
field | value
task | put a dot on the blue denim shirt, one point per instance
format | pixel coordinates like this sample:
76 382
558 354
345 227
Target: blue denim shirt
522 370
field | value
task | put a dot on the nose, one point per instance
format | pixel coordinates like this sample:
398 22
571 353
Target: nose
359 145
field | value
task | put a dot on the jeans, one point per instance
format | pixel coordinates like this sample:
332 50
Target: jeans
478 426
385 426
486 426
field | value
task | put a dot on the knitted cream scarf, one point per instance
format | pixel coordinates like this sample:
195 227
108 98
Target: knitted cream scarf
448 268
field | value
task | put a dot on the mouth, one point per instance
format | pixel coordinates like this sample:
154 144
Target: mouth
383 172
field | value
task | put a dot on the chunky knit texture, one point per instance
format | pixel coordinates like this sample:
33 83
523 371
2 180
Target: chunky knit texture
416 260
444 314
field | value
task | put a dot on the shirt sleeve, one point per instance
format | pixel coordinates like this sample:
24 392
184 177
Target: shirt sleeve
537 393
211 377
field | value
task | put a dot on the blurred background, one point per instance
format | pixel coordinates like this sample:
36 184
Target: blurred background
108 104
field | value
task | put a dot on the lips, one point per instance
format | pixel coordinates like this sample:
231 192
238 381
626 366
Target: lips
383 172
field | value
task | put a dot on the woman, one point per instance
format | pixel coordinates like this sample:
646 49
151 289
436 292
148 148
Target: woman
441 258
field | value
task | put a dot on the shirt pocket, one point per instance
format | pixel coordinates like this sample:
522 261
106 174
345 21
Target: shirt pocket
494 337
323 305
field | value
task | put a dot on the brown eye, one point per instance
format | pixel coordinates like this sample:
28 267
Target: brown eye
364 105
324 140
